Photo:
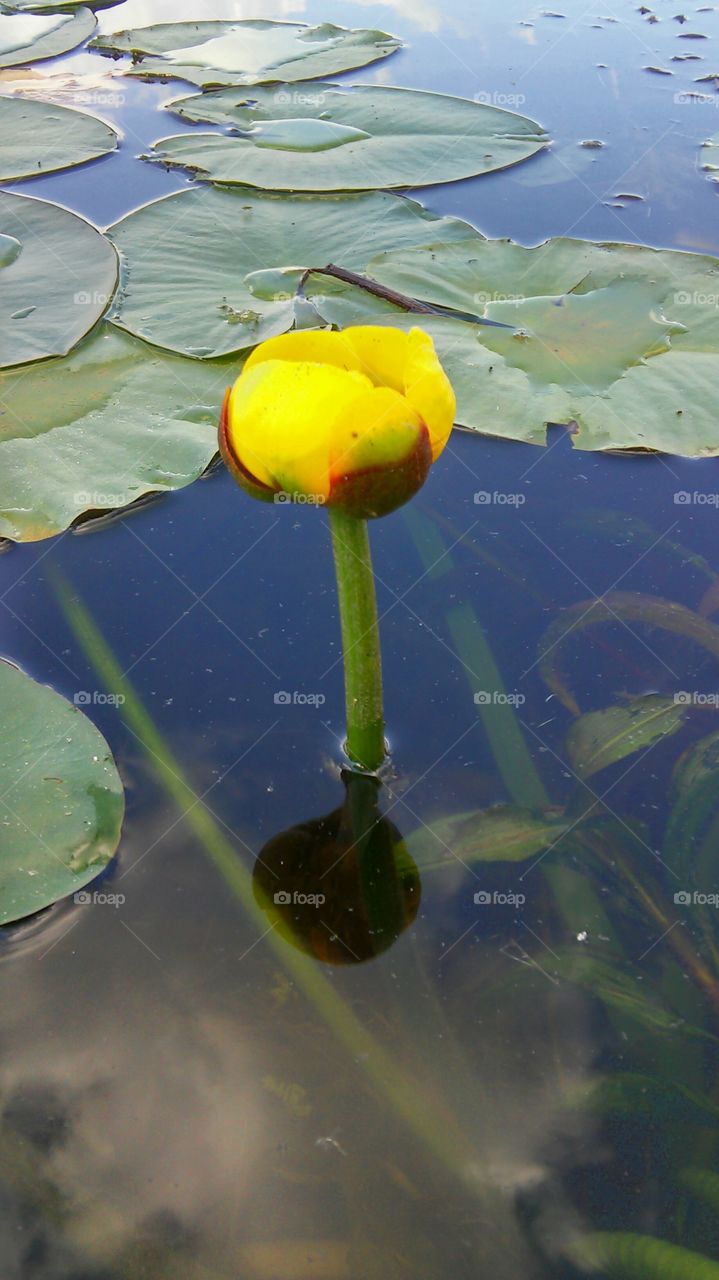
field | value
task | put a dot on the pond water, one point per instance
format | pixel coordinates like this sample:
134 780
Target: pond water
186 1096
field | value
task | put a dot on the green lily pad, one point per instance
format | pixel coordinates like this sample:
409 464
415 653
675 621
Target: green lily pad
621 340
601 738
99 428
30 37
57 276
41 137
55 6
323 137
61 798
200 268
245 52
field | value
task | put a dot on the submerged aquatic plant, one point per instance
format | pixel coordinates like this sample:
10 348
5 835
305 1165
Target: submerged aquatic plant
354 421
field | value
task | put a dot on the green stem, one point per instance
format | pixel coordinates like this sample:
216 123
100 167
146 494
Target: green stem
360 640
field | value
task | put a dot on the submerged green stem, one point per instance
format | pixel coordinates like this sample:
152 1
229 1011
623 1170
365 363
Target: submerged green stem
360 639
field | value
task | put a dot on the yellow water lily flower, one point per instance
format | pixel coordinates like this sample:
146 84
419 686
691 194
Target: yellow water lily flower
352 419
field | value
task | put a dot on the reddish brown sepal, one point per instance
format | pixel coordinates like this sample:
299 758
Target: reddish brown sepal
376 491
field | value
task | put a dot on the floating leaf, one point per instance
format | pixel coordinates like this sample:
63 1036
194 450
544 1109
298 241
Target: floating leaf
52 6
57 275
112 421
601 738
40 137
32 37
504 833
245 52
620 339
324 137
61 802
619 606
233 290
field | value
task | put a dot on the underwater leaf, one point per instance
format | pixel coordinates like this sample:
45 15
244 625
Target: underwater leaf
696 764
97 429
245 52
242 255
601 738
57 275
613 984
691 830
618 606
40 137
633 1257
61 798
32 37
324 137
504 833
621 340
632 1093
703 1184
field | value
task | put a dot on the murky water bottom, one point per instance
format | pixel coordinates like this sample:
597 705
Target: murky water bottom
183 1091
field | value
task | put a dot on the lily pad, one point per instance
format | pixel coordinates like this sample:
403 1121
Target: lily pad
41 137
62 802
210 271
601 738
621 340
57 275
99 428
53 6
30 37
324 137
245 52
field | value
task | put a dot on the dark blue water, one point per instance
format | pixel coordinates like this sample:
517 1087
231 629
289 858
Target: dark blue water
176 1102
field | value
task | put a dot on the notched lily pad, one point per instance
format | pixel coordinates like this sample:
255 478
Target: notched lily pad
98 429
41 137
30 37
61 798
324 137
228 241
245 52
57 276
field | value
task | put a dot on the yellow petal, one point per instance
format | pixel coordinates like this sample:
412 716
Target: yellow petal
281 421
429 390
317 346
382 353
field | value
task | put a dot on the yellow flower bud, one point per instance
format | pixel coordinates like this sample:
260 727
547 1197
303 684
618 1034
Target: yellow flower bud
351 419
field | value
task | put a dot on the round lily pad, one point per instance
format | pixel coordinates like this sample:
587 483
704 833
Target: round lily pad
41 137
52 6
61 798
30 37
57 276
323 137
210 271
618 339
99 428
245 52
